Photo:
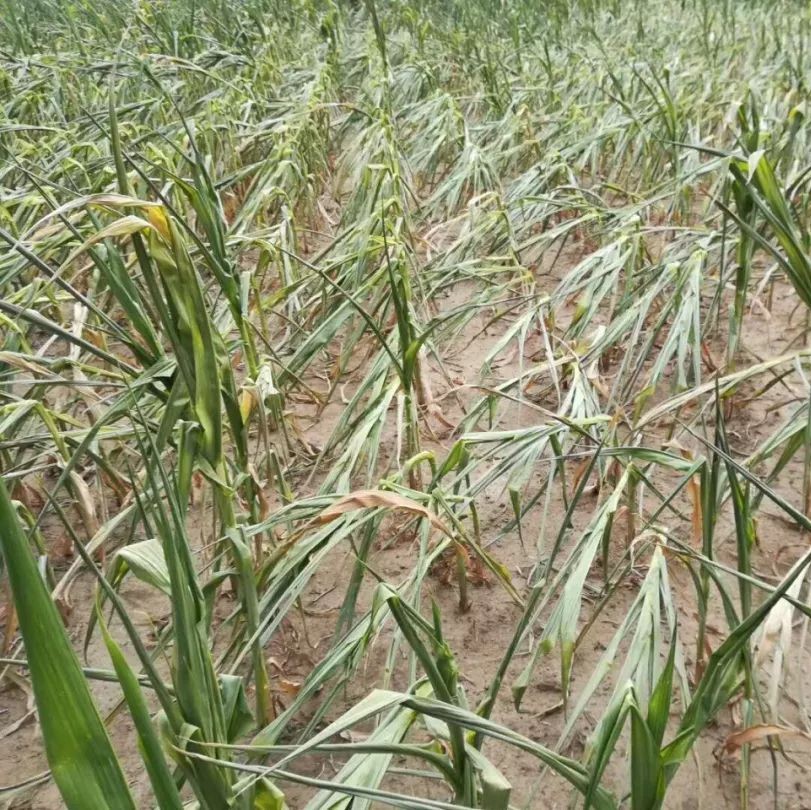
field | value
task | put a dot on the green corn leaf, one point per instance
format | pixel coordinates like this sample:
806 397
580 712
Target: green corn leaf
647 779
145 561
368 769
198 347
149 744
84 765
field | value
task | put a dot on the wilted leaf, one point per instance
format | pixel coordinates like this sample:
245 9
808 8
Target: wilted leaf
373 498
747 736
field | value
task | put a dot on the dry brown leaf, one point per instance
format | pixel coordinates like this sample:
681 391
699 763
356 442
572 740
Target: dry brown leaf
264 503
28 496
371 498
289 688
579 472
274 663
752 734
694 487
197 481
62 548
84 503
65 609
96 338
709 361
122 491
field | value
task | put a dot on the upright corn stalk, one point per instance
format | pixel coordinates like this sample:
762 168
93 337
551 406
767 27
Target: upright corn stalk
209 383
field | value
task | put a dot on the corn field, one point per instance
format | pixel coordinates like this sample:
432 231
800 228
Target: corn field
405 403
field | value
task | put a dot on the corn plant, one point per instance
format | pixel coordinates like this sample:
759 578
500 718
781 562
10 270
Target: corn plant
435 377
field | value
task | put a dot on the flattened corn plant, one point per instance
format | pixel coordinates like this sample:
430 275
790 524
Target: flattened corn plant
286 285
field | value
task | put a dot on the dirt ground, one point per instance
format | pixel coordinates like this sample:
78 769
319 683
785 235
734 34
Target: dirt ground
479 636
